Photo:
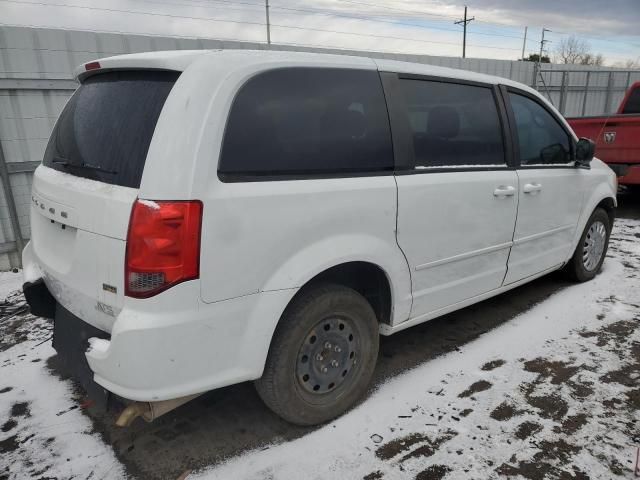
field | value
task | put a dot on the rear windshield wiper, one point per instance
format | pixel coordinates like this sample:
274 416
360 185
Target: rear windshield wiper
87 166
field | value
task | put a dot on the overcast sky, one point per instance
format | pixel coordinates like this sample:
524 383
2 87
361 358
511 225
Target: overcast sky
409 26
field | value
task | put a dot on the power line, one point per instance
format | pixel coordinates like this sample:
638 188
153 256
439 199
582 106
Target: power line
599 39
295 11
214 19
271 7
326 13
121 32
243 22
383 36
428 14
135 12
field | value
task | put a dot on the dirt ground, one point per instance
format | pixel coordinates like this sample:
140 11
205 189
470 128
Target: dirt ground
224 423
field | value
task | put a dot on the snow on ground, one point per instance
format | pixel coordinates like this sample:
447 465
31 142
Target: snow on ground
9 283
553 393
42 432
548 395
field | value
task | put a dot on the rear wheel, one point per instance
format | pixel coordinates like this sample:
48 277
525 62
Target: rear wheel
322 355
592 248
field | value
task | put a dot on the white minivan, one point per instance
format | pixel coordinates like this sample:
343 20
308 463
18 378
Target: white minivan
203 218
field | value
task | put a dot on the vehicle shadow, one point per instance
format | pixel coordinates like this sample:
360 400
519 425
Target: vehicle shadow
629 204
229 421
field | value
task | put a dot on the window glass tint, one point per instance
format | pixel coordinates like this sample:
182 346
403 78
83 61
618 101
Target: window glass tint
633 102
308 120
105 129
541 139
453 124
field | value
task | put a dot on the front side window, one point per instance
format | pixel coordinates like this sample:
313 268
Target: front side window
541 139
306 121
453 125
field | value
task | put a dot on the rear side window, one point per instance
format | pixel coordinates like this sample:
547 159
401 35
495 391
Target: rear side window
105 129
453 124
541 139
306 121
632 104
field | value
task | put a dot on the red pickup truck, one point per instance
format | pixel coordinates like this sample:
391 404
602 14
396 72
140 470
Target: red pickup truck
617 137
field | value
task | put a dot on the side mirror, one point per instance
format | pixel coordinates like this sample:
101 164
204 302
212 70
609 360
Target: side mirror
585 149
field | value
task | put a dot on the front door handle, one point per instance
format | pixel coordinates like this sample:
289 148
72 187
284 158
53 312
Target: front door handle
532 187
504 191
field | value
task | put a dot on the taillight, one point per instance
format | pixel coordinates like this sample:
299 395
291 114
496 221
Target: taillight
163 246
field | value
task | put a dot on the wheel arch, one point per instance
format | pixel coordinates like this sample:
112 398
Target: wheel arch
601 197
608 204
368 279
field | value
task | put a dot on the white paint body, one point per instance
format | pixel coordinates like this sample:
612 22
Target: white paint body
444 240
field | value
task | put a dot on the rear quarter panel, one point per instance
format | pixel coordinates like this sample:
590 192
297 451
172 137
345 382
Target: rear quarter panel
274 235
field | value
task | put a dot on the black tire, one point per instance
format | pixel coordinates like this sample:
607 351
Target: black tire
576 269
315 318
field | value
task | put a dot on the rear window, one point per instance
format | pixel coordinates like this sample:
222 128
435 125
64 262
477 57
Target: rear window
105 129
306 121
633 102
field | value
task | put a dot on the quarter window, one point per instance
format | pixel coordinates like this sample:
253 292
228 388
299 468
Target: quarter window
541 139
453 124
306 121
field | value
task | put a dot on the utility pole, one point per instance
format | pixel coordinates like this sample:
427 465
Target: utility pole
464 23
266 7
537 66
524 42
542 42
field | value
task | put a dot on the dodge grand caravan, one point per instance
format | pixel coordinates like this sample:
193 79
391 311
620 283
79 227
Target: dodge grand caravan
203 218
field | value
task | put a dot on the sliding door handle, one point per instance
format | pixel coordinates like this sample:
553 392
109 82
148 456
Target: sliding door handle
504 191
532 187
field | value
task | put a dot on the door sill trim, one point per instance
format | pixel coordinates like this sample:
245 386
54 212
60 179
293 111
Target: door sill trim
391 329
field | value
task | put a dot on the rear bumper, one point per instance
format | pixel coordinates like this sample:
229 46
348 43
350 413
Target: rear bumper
161 354
171 345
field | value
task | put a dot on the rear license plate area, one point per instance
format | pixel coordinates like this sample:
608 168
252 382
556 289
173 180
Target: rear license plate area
70 340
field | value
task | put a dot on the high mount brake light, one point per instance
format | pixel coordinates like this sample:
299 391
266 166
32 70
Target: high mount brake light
163 246
92 66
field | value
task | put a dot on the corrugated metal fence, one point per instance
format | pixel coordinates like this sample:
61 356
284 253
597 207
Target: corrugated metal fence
36 68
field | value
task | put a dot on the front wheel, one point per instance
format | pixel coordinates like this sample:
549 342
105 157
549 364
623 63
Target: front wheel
592 248
322 355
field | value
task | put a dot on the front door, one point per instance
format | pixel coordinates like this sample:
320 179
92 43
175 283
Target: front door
550 192
457 197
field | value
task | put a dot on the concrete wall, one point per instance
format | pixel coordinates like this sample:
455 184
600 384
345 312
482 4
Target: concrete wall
36 68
